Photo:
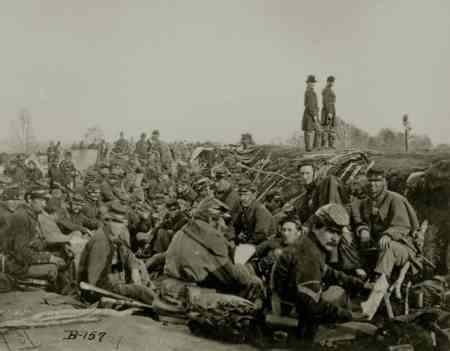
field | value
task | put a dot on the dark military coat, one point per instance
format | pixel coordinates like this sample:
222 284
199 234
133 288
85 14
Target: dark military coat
311 110
328 107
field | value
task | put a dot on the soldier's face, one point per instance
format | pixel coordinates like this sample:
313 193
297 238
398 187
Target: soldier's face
328 237
94 195
376 187
310 85
306 174
76 208
38 205
246 198
290 233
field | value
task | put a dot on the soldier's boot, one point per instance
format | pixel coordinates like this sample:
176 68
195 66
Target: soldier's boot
307 137
324 140
317 140
331 140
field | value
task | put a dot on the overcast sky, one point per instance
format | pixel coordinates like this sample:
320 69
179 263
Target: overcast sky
213 69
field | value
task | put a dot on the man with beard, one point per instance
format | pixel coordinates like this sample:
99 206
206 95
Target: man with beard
224 192
25 250
310 115
302 270
108 263
255 223
386 219
74 220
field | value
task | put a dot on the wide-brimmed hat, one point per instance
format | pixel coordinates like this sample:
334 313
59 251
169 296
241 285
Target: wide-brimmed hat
311 79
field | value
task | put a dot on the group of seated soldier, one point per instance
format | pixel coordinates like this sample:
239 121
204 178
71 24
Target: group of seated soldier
130 223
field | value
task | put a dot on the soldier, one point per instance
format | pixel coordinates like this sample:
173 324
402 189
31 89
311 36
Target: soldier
203 189
16 171
107 262
51 153
141 149
68 170
91 208
25 250
32 172
302 269
255 223
163 149
200 254
388 220
11 197
73 219
108 187
58 149
54 173
309 122
328 116
224 192
121 146
316 193
173 220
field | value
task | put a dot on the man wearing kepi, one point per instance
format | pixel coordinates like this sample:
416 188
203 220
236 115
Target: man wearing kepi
302 270
388 220
108 263
309 122
255 223
25 250
328 115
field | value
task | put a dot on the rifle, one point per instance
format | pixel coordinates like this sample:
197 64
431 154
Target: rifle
124 299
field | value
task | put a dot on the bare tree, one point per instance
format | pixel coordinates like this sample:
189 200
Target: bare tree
22 132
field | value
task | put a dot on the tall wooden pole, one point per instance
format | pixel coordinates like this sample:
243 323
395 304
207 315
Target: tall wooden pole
407 126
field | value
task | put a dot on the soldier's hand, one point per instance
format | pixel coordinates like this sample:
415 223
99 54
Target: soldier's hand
358 316
361 273
364 236
369 286
384 242
242 237
58 261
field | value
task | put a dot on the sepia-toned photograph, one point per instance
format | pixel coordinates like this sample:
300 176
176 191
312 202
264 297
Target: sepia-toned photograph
220 175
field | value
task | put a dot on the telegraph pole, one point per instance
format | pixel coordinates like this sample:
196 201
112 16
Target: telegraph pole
407 127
